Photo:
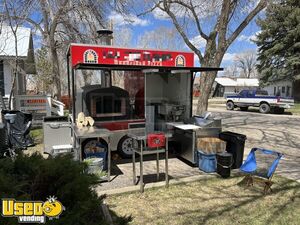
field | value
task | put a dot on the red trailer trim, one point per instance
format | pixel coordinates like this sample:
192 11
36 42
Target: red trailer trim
118 125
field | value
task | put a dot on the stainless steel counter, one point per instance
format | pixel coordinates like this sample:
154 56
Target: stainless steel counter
186 135
91 132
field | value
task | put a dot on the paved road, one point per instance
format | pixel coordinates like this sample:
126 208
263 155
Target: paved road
277 132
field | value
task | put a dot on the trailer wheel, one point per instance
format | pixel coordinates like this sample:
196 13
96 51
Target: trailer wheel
125 147
264 108
230 105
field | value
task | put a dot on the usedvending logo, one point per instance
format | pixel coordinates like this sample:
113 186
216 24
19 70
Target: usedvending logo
32 211
90 56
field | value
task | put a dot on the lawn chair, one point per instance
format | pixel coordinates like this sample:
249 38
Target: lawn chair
260 166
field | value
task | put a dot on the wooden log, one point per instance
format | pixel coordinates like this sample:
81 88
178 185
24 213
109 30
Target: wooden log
83 121
90 120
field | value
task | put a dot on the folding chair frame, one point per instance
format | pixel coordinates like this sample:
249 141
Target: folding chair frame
249 179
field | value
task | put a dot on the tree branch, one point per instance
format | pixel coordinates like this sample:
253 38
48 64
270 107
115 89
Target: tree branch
33 23
180 30
260 6
57 17
151 9
192 9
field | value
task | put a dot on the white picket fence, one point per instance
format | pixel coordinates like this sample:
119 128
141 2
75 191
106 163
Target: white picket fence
39 104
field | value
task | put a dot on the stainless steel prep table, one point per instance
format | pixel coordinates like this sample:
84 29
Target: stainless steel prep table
187 134
82 133
141 137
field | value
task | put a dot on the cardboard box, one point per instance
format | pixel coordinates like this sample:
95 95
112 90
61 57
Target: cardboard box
211 145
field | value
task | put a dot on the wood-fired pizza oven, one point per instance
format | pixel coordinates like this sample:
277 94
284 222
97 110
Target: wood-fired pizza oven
106 103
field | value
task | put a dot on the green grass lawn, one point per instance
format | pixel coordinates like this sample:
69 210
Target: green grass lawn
295 110
37 135
212 201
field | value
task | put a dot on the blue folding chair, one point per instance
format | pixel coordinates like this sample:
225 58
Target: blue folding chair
260 166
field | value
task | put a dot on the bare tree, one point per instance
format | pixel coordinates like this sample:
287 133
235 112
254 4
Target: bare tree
224 20
43 81
52 15
231 71
59 23
161 38
123 37
50 18
81 24
246 61
11 12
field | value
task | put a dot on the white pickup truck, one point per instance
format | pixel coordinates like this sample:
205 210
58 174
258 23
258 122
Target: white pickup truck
258 98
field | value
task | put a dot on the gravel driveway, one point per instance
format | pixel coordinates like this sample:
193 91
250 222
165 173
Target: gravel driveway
277 132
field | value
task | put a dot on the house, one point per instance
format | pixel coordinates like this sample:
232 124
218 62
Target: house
284 88
224 86
8 58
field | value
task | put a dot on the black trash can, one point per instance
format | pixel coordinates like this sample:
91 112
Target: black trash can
224 163
235 145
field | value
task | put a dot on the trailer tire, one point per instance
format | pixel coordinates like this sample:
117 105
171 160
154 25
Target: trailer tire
125 147
264 108
230 105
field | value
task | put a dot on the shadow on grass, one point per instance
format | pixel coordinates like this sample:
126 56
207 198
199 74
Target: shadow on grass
120 220
211 200
257 195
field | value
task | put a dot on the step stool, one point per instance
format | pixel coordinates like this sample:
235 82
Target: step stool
61 149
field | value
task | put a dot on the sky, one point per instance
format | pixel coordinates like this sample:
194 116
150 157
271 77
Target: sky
140 25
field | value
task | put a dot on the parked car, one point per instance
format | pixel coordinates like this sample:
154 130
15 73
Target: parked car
258 98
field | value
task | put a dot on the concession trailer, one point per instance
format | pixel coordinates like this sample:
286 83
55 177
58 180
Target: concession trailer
155 95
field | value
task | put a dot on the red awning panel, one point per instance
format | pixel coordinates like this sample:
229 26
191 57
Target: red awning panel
82 54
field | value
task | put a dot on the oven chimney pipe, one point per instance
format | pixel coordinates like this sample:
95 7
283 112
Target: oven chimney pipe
106 38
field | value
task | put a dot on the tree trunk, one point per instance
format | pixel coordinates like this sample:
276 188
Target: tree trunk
206 82
212 58
15 77
55 69
87 77
13 84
